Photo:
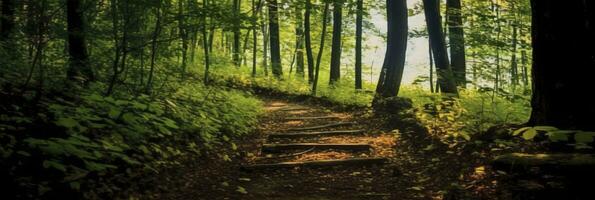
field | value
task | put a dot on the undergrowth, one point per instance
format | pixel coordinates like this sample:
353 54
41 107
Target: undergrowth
91 145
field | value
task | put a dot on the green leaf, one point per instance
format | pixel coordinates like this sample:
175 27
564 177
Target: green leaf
559 135
545 128
584 137
519 131
241 190
530 134
54 164
67 122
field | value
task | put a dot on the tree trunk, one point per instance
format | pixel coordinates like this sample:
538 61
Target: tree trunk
299 40
321 48
446 79
394 61
79 67
265 40
457 41
236 33
274 35
335 73
155 36
256 10
358 43
563 64
431 67
7 20
308 38
205 43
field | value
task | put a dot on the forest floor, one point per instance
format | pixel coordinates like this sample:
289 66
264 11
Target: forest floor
417 167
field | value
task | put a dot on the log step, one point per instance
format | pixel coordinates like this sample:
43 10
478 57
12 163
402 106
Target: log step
293 109
321 163
322 126
318 133
317 146
309 118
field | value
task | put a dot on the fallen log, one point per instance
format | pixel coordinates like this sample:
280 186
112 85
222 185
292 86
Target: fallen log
322 126
311 134
320 163
294 146
564 164
309 118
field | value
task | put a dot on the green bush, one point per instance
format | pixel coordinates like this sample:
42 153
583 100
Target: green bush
78 142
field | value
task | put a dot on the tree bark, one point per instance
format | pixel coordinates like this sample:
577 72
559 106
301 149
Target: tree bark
274 36
335 73
308 40
358 43
321 48
79 68
446 79
236 33
7 20
394 60
206 41
563 64
457 41
299 40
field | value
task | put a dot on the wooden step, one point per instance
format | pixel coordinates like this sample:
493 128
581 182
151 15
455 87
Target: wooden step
310 118
322 126
321 163
311 134
317 146
294 109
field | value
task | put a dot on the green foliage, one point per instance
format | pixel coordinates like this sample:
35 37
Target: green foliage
578 139
472 112
93 135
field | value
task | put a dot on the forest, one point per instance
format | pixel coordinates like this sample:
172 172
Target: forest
297 99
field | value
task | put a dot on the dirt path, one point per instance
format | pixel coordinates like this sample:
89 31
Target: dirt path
276 162
358 180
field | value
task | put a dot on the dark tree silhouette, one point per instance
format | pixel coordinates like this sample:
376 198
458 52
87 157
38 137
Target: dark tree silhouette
274 37
79 67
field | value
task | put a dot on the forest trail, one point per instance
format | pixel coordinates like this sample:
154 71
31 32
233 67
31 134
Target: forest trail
306 151
296 140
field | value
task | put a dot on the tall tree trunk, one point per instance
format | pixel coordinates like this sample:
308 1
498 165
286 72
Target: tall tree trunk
446 79
236 32
274 35
321 48
255 12
457 41
308 38
431 67
335 72
514 80
206 41
183 32
299 40
265 40
563 64
79 67
394 60
358 43
155 36
6 20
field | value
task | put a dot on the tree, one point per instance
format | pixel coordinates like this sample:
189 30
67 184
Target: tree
308 41
6 20
394 60
236 32
358 44
321 48
205 41
563 64
274 37
335 74
79 67
299 42
445 76
456 38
